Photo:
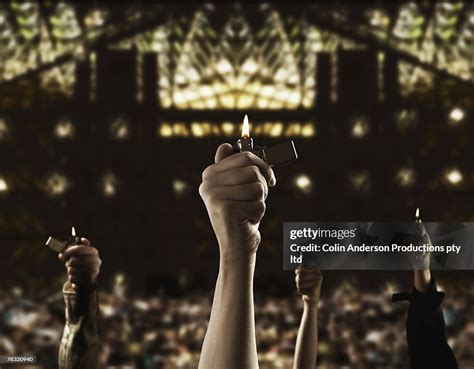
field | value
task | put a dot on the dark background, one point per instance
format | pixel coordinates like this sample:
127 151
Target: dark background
155 233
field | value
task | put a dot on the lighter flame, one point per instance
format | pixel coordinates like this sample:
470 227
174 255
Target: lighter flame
73 231
417 213
245 127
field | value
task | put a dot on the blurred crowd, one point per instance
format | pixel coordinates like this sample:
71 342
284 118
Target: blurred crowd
358 328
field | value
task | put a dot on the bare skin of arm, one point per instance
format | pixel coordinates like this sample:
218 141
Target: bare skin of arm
308 283
422 280
421 262
234 190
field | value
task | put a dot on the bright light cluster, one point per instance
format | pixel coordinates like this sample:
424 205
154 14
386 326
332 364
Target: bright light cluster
57 184
237 64
109 184
231 129
236 67
64 129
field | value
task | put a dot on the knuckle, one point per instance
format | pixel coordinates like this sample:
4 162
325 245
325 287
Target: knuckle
261 206
255 172
206 172
203 190
247 155
258 189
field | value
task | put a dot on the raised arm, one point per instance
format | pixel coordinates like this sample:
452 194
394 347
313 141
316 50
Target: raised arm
308 283
234 190
426 330
80 343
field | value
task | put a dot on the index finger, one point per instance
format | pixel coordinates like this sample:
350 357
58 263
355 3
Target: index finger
78 250
85 241
245 159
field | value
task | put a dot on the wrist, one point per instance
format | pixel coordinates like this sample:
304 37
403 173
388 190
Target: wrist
239 254
85 288
310 301
237 261
422 279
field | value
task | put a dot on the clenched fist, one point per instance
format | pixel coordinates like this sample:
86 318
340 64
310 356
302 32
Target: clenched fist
83 265
234 190
308 284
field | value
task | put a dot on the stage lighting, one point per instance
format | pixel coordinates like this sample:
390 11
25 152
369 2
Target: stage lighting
360 127
223 66
360 181
405 177
165 130
405 119
95 18
64 129
303 183
64 21
454 176
120 129
109 184
197 129
56 184
3 129
120 284
379 18
3 185
409 25
276 129
308 130
250 66
179 187
456 116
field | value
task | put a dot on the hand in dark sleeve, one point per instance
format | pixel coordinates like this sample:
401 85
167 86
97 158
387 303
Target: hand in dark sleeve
426 331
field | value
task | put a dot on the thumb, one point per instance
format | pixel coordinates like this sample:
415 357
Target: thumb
85 241
223 151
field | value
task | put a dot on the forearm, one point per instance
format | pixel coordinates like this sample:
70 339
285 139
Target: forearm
79 347
230 339
307 339
422 279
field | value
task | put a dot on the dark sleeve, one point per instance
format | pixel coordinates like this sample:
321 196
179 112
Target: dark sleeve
426 330
80 341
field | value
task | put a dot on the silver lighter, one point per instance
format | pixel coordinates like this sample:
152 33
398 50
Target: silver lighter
276 156
60 246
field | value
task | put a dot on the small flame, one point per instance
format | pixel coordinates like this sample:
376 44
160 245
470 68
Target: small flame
73 232
246 128
417 213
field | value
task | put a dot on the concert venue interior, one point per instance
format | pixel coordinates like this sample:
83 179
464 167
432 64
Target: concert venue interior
110 112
